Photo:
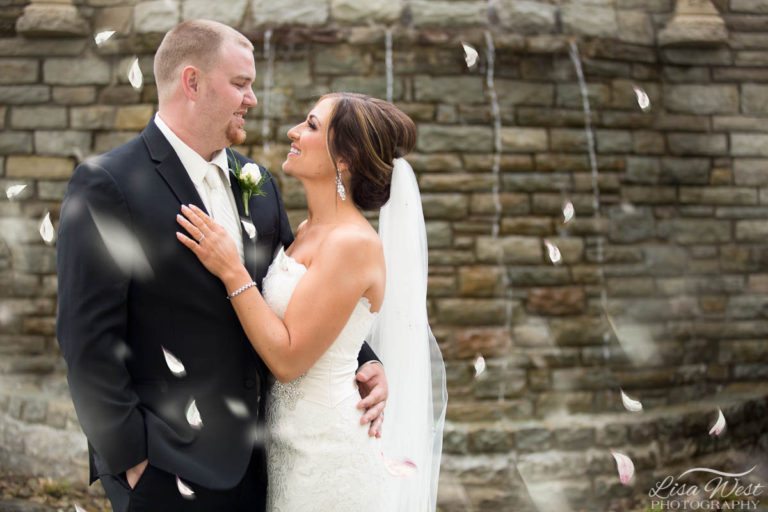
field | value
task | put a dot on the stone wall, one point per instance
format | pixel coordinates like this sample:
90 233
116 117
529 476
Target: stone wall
661 290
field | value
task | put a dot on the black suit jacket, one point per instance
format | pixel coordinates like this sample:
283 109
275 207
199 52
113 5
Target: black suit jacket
115 317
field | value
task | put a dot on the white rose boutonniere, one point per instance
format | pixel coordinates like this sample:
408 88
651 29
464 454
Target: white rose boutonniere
251 180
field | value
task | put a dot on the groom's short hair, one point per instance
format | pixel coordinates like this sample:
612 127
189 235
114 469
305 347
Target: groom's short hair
193 42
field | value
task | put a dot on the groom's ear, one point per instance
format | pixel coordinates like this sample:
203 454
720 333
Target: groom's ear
190 82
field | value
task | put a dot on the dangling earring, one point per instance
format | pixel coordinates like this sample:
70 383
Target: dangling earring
340 186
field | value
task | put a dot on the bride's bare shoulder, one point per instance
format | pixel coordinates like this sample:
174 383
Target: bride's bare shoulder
357 239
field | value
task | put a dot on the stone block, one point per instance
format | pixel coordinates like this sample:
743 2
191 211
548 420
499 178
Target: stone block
754 99
702 99
456 89
51 190
751 230
696 144
341 60
63 143
34 259
40 167
750 172
514 92
648 142
472 139
538 275
589 20
439 234
614 141
24 94
230 12
51 20
471 311
553 301
97 117
635 27
158 16
456 182
110 140
500 381
372 86
87 71
352 12
485 281
18 71
444 206
291 12
526 17
749 144
643 170
685 171
751 58
569 140
718 195
569 95
133 117
699 56
523 139
38 117
509 249
531 226
511 204
81 95
633 226
15 142
447 13
26 47
695 231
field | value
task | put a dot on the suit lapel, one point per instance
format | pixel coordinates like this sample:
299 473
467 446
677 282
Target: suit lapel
246 221
170 167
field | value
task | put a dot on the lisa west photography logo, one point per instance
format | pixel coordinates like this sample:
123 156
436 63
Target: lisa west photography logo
719 491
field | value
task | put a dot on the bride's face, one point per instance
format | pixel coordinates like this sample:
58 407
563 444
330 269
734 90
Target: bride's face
309 157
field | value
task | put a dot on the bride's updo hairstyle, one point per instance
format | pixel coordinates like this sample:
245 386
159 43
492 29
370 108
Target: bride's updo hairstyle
368 134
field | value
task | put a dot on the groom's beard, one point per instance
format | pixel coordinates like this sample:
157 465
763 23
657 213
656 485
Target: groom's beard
235 135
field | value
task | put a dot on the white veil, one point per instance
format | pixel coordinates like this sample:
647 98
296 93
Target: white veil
401 337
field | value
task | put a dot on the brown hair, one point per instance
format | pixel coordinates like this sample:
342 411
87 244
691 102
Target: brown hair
195 42
368 134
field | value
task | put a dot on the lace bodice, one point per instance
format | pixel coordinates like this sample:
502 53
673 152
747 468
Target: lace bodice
317 443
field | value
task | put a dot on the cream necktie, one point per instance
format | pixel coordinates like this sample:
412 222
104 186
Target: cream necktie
221 206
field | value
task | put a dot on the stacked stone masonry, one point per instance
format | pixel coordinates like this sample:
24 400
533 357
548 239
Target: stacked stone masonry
678 247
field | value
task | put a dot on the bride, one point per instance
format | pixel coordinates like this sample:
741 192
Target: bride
339 283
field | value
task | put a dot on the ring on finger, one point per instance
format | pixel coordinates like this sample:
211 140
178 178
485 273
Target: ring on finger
202 237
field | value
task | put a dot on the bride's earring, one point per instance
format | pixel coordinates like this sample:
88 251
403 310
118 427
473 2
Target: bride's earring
340 186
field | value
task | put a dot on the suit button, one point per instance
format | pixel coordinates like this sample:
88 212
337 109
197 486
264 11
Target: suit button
250 383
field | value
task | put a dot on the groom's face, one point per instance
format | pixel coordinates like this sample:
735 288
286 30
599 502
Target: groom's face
228 94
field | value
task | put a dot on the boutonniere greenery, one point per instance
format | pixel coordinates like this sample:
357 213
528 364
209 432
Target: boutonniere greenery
250 179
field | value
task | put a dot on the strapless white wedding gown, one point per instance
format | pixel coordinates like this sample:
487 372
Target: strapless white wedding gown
319 456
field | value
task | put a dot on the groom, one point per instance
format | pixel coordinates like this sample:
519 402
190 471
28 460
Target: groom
167 388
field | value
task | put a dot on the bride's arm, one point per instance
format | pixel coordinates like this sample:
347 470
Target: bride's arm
319 308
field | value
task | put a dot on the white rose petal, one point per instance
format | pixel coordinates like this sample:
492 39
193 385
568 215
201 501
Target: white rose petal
252 170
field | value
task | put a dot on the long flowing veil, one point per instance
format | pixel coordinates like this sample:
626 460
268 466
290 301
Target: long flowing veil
402 338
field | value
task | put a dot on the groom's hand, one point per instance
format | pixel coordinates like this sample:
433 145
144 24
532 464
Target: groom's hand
133 475
372 383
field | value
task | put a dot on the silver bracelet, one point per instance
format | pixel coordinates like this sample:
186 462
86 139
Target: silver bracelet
241 290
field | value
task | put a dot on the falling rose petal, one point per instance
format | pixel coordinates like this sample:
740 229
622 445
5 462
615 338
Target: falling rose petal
176 366
46 229
402 468
193 415
568 212
719 425
630 404
625 466
249 228
470 55
122 351
78 508
553 252
184 489
642 99
627 207
103 36
122 245
14 190
479 366
237 407
135 77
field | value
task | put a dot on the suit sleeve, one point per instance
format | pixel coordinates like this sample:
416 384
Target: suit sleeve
92 321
